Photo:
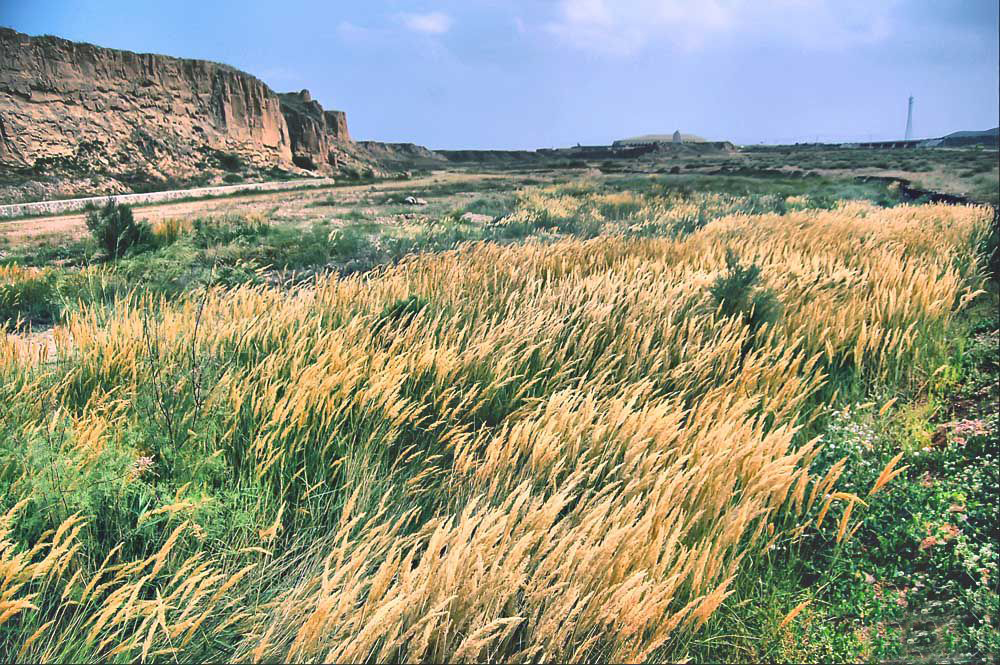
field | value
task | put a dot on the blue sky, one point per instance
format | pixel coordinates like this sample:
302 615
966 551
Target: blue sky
546 73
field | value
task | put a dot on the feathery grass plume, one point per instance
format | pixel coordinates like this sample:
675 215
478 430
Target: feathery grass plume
888 473
558 450
794 613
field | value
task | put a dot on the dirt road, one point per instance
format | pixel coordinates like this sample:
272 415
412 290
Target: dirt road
287 204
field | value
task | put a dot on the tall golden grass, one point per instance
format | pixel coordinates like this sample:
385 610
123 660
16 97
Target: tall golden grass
581 203
564 453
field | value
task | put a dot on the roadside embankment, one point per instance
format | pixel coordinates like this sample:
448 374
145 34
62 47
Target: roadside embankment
76 205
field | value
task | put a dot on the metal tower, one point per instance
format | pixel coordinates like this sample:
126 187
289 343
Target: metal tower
909 120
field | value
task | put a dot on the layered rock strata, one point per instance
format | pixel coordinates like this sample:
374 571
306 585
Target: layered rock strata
73 109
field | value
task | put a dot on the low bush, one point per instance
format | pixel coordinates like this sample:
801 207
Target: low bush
398 313
212 231
42 296
115 229
737 293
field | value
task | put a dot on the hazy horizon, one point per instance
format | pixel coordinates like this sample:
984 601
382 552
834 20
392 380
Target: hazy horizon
526 75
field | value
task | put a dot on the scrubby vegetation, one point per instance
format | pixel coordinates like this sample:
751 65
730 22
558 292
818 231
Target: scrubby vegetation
174 255
115 229
621 421
972 172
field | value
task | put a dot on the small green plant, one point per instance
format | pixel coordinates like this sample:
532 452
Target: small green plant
115 229
215 231
399 313
737 294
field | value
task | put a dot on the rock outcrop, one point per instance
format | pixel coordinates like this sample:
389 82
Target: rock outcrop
336 121
116 110
69 109
317 136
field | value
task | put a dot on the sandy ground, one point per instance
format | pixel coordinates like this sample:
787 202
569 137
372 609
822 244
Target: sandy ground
283 204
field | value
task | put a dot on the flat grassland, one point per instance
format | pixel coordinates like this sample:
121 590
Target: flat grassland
554 416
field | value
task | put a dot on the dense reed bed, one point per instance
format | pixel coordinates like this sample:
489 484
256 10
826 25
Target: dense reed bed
551 451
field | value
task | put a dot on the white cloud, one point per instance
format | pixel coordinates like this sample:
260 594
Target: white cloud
433 23
624 27
350 32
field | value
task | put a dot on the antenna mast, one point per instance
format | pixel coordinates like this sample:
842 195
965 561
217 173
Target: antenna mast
909 120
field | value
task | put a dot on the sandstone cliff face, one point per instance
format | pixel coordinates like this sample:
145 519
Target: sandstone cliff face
336 123
317 136
113 112
81 120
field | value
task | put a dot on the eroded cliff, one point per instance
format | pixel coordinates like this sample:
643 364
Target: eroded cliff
124 120
319 138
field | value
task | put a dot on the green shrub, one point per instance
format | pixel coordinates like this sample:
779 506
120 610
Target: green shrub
619 211
347 242
115 229
398 313
214 231
737 293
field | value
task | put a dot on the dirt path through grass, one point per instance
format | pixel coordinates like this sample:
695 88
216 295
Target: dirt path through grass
72 225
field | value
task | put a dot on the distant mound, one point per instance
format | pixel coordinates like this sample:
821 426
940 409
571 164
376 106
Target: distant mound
401 156
646 139
973 134
988 137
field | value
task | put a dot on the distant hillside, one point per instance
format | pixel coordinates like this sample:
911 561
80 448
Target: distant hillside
973 134
660 138
989 137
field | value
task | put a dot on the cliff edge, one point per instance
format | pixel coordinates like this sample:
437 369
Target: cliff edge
77 118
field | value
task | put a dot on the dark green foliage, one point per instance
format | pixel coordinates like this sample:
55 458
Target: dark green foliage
350 173
737 293
47 252
42 299
209 232
764 189
115 229
932 534
347 242
398 314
